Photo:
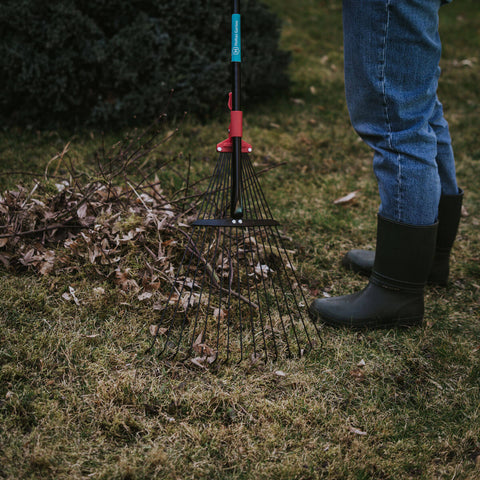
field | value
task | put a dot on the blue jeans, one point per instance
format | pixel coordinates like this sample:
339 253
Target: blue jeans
392 51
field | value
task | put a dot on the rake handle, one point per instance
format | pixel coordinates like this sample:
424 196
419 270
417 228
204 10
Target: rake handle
236 207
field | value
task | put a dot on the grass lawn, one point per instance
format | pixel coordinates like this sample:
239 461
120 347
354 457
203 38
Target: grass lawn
78 397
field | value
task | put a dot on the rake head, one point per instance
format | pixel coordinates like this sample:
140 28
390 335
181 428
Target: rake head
235 294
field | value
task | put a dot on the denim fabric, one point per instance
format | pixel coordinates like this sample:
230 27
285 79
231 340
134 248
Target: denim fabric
392 51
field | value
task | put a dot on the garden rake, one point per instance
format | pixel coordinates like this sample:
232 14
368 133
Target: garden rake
236 288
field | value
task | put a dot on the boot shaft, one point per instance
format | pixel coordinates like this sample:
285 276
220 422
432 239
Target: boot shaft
449 213
404 255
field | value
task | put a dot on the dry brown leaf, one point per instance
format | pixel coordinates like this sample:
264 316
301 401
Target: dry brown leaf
145 296
72 293
346 199
198 361
157 330
219 313
28 257
298 101
358 374
126 283
82 211
47 261
262 271
357 431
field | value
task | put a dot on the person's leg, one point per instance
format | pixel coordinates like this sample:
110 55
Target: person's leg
449 209
392 50
445 158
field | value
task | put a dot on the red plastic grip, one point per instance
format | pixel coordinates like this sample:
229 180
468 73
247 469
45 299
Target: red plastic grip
236 123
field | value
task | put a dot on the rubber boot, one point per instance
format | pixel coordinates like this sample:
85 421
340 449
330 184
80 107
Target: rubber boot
449 212
394 294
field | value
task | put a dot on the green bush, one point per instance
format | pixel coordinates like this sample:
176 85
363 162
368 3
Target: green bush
103 62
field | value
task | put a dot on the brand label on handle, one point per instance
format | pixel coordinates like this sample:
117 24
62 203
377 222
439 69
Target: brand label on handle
236 39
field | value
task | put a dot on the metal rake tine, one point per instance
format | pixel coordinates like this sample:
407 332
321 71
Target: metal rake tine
260 308
256 197
168 302
257 214
301 292
217 199
198 309
230 280
257 209
214 181
252 322
184 321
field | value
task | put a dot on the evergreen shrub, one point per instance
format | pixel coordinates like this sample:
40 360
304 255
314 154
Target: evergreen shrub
66 63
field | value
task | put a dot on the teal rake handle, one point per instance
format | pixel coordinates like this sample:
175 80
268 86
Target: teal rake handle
236 207
236 37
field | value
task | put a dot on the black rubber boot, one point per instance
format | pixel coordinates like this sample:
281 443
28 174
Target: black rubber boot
394 294
449 212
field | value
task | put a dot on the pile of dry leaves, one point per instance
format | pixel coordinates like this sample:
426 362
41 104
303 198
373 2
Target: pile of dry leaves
103 218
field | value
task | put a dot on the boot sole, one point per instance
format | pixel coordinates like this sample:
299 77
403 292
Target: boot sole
403 322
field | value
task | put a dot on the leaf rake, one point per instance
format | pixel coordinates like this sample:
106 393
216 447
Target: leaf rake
235 289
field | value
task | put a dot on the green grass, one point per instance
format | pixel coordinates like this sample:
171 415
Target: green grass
79 400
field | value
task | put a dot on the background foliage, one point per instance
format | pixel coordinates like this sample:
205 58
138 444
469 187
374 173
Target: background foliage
71 62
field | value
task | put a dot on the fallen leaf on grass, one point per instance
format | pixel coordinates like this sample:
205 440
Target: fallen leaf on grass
47 261
123 279
358 374
207 353
198 361
262 270
357 431
71 296
280 373
156 330
297 101
219 313
346 199
145 296
82 211
467 62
